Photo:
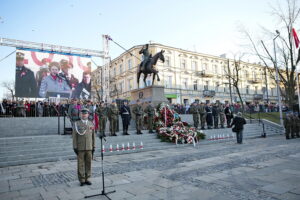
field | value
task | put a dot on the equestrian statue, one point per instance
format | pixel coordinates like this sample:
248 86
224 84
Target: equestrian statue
147 65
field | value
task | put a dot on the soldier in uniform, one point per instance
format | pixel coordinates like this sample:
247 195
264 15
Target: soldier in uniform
150 111
88 105
294 125
222 115
209 117
202 115
26 85
113 114
288 125
126 117
195 111
84 146
215 113
138 112
102 112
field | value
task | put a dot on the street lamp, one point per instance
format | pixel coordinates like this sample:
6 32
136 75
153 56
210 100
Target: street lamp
277 79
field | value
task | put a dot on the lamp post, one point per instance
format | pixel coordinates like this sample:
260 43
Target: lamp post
277 79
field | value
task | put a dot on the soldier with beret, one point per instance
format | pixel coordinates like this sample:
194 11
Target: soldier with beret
194 110
102 112
113 114
138 112
84 146
26 85
53 82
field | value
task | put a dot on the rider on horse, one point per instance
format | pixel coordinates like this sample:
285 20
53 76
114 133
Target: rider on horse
147 57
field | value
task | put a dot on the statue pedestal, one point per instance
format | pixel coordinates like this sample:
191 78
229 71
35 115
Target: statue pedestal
154 93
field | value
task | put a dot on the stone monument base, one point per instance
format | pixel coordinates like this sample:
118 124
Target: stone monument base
154 93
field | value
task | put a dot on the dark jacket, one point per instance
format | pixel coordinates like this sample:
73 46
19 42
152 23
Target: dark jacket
238 123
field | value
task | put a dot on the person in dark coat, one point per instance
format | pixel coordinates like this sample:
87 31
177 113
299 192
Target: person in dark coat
209 117
238 123
228 115
26 85
215 114
83 89
126 117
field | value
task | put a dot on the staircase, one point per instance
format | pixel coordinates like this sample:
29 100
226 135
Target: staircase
47 147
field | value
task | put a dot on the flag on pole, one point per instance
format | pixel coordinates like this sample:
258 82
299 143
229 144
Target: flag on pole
295 38
107 37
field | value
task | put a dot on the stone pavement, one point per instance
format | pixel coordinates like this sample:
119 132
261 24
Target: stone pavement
267 168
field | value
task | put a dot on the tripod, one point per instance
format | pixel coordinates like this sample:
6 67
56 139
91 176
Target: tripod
103 187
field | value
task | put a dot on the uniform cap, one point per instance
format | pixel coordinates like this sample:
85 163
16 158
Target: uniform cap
84 111
20 56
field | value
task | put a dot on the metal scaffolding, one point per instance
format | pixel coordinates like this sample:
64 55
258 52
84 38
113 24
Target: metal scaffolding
51 47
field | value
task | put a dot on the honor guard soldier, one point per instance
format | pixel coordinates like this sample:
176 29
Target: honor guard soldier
138 112
215 113
209 117
195 111
102 112
288 125
150 111
113 114
126 117
84 146
202 112
26 85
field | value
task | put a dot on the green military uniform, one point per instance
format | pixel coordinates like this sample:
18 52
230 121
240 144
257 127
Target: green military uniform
73 112
222 115
195 111
138 111
84 146
202 112
102 112
113 114
288 126
150 111
294 126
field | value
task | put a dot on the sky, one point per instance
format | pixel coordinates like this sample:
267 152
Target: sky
205 26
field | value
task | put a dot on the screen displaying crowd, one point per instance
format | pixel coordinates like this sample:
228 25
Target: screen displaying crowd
43 75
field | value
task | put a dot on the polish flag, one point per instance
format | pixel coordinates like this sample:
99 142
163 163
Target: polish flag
295 38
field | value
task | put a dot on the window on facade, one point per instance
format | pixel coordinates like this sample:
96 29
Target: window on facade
167 61
129 64
195 85
206 85
246 74
217 87
115 73
121 69
254 75
272 91
130 84
255 90
194 65
185 83
183 64
121 87
247 89
216 69
204 66
168 82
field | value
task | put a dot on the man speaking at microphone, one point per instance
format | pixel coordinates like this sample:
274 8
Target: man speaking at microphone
84 146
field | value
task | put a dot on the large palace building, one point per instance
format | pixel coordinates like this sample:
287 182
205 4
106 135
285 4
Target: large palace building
187 77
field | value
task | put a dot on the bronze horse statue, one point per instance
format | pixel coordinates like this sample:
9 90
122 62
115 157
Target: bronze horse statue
148 68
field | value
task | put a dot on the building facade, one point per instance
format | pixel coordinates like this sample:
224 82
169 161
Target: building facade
187 77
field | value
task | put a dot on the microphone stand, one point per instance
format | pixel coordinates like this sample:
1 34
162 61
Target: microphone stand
103 187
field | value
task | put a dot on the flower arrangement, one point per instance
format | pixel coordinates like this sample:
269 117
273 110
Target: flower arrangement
170 128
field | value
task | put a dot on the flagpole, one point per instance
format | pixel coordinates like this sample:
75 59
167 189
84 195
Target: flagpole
294 35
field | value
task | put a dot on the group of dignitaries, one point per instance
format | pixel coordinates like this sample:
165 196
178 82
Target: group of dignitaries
84 132
211 115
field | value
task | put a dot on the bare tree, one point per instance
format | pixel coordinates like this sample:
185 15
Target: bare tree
287 57
234 77
10 87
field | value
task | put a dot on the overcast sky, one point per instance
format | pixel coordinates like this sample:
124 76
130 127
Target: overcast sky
206 26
